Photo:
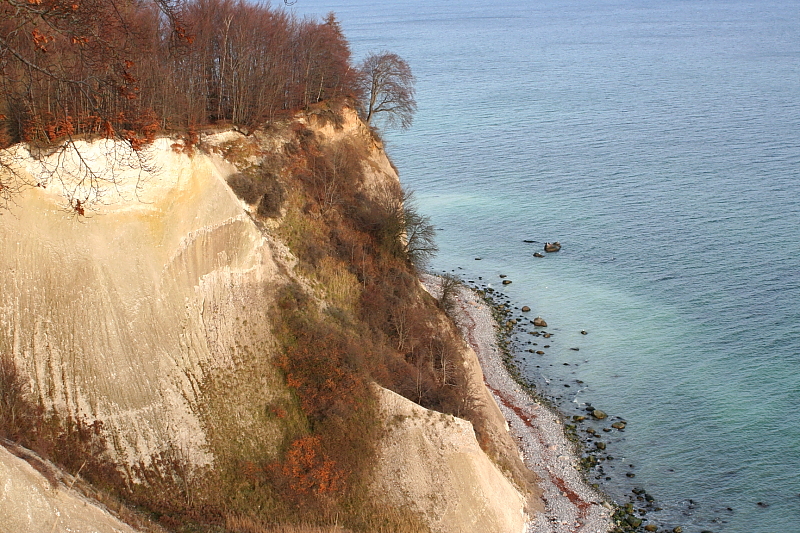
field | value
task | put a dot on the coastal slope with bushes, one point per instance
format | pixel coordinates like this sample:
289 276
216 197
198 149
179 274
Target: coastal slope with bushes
211 315
209 344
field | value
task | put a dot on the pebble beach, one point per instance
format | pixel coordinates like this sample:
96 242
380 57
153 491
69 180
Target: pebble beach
571 504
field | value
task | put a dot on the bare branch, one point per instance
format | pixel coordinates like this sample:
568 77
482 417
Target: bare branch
388 87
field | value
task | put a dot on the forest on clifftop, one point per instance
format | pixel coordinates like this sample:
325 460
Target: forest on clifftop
134 70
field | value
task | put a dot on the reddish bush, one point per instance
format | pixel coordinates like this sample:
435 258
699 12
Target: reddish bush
309 470
317 368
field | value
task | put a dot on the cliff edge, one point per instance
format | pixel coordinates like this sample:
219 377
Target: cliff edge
157 317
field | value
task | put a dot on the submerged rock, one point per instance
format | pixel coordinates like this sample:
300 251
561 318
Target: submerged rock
633 520
539 322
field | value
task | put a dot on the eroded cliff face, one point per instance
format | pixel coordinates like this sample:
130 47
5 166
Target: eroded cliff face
432 462
151 312
30 503
120 315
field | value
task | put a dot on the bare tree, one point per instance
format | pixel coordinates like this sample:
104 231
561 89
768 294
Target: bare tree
72 68
129 69
404 232
388 88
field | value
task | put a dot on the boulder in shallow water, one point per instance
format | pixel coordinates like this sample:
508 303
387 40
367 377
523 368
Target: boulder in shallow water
539 322
537 254
552 246
525 309
633 520
598 414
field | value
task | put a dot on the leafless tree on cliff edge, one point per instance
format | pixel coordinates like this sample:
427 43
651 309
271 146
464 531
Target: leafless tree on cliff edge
388 87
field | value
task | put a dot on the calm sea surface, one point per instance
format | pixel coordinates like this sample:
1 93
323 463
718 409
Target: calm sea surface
659 142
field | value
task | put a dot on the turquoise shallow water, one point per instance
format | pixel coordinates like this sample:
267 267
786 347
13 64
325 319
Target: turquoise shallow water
659 142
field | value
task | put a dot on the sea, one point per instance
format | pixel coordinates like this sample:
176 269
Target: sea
659 143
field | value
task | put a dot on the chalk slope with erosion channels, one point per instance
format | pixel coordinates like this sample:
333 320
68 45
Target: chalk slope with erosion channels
119 315
124 314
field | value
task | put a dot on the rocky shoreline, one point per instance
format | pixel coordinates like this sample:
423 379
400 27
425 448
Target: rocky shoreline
586 429
571 505
563 447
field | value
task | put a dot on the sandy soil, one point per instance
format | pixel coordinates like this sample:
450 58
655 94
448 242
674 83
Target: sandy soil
571 505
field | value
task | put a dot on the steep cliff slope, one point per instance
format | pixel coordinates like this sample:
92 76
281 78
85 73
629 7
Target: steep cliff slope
31 503
119 315
433 463
172 317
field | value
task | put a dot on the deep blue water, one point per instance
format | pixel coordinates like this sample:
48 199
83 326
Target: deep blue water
659 142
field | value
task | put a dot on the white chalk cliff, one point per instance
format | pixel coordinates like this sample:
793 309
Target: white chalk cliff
165 285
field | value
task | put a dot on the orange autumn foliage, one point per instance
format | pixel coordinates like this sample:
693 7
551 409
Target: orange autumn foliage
309 470
318 370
